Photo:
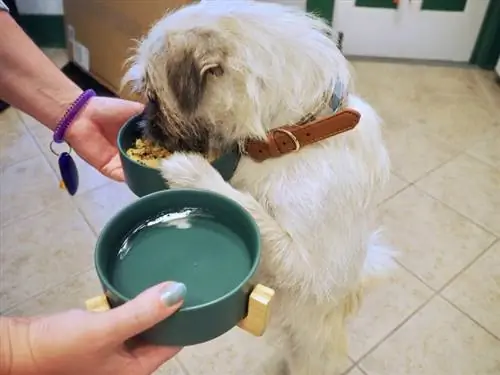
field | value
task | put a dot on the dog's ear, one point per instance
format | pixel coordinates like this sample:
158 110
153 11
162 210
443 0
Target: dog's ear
187 78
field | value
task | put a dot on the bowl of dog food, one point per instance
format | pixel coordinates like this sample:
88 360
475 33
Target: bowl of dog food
200 238
141 159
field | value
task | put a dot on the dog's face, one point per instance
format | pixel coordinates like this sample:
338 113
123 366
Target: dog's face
215 73
177 71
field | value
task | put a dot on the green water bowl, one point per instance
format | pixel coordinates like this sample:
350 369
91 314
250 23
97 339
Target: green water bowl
207 241
143 180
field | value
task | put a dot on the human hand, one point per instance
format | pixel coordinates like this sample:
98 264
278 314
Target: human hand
78 342
93 133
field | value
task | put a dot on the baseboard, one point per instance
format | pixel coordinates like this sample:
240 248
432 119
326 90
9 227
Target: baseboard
45 30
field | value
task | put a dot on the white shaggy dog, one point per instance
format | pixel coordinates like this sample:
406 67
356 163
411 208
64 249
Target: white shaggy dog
220 73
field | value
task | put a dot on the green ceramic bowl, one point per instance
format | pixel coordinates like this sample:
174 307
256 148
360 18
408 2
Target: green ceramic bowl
206 241
143 180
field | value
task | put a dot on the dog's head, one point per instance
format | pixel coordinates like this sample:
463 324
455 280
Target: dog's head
216 72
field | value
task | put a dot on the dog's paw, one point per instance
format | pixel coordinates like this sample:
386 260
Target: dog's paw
183 170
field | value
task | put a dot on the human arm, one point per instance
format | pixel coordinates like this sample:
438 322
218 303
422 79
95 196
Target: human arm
78 342
31 82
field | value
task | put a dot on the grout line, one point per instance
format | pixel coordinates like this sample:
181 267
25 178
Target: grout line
85 219
10 165
472 156
495 240
471 318
45 157
45 290
486 93
408 184
418 277
442 164
20 218
469 265
436 293
349 369
402 323
459 213
464 269
361 370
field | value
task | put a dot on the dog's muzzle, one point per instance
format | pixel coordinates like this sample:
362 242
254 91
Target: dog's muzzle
172 135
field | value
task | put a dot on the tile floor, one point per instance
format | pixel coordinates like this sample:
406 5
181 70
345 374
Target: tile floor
440 315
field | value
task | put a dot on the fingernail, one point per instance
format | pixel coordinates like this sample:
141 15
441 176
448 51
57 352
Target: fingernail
173 294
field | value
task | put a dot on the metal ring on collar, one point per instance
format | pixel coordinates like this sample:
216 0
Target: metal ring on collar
291 136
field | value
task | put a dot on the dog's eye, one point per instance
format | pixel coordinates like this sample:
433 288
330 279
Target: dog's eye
213 69
216 71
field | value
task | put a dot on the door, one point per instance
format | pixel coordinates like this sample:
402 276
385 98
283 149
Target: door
443 30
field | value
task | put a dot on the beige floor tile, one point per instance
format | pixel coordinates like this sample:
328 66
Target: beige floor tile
470 187
89 178
70 294
172 367
487 150
16 143
384 308
487 80
477 290
27 188
234 353
42 251
458 120
40 133
419 79
391 78
438 340
389 88
395 185
446 80
414 152
404 94
100 204
434 241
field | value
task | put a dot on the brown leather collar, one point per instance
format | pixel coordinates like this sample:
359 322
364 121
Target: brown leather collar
291 138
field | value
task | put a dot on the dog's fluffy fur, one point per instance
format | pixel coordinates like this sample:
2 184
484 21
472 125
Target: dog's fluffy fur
217 73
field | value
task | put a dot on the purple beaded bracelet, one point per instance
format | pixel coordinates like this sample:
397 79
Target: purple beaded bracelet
70 115
67 166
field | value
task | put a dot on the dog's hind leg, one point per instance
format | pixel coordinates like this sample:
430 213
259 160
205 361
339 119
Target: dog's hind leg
320 338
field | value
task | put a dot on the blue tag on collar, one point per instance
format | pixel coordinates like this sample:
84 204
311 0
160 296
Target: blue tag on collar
337 97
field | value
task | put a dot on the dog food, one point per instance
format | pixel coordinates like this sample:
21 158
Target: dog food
147 153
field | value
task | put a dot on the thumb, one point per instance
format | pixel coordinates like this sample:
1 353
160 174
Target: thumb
143 312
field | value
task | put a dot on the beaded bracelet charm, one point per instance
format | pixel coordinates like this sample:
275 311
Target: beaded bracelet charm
67 166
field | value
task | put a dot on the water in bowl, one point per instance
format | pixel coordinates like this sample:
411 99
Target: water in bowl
189 246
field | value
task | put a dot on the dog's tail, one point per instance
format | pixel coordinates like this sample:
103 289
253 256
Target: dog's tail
379 261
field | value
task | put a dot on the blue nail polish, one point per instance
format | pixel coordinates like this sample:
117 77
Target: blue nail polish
173 293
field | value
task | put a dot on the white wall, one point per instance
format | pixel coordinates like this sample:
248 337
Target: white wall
40 6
